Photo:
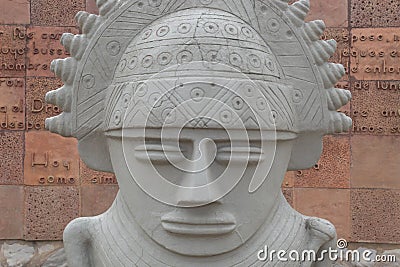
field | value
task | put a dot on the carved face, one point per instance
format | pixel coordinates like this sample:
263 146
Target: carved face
198 224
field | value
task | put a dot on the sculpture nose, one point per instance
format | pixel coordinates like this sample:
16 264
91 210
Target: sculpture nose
195 189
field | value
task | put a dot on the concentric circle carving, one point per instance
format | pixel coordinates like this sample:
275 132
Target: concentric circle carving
184 28
231 29
162 31
147 61
113 48
88 81
211 27
184 56
132 63
254 61
164 58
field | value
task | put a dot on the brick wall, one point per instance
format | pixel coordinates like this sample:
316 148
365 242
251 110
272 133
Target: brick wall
356 184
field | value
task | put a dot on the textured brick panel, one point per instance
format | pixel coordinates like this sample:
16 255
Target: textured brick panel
89 176
375 216
375 54
12 212
330 204
15 12
288 181
55 13
37 110
12 104
97 199
91 7
332 170
13 51
288 193
375 13
48 210
337 15
375 162
44 47
50 159
376 107
11 157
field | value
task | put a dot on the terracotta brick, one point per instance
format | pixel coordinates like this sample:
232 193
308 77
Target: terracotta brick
332 170
375 162
12 104
44 47
97 199
13 51
330 204
375 215
15 12
288 181
375 53
337 15
91 7
55 13
37 110
375 13
91 177
11 157
48 210
288 193
12 212
50 159
375 111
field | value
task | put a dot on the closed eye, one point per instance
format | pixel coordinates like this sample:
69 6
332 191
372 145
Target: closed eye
240 154
158 153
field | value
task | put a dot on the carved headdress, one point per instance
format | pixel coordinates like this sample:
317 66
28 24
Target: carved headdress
266 40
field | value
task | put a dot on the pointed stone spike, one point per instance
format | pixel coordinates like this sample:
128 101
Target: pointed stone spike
66 40
100 3
60 124
337 98
331 73
62 97
304 5
107 7
333 44
51 97
313 30
78 46
81 18
339 123
323 50
64 69
298 11
89 27
282 4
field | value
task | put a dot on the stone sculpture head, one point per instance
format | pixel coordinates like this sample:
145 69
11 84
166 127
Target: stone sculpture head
188 125
202 116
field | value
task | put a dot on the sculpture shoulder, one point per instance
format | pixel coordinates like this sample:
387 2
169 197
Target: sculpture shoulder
77 241
322 237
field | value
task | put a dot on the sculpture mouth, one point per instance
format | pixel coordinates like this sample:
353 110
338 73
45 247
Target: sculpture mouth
217 225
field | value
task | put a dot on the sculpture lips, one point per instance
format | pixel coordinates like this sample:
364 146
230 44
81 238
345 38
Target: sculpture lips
216 225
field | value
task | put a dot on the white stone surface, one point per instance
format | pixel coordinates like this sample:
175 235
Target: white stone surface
17 255
57 259
199 108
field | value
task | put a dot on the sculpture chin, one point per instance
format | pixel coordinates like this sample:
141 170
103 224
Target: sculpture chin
216 225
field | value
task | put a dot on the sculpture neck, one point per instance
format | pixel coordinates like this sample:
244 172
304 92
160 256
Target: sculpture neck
284 229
